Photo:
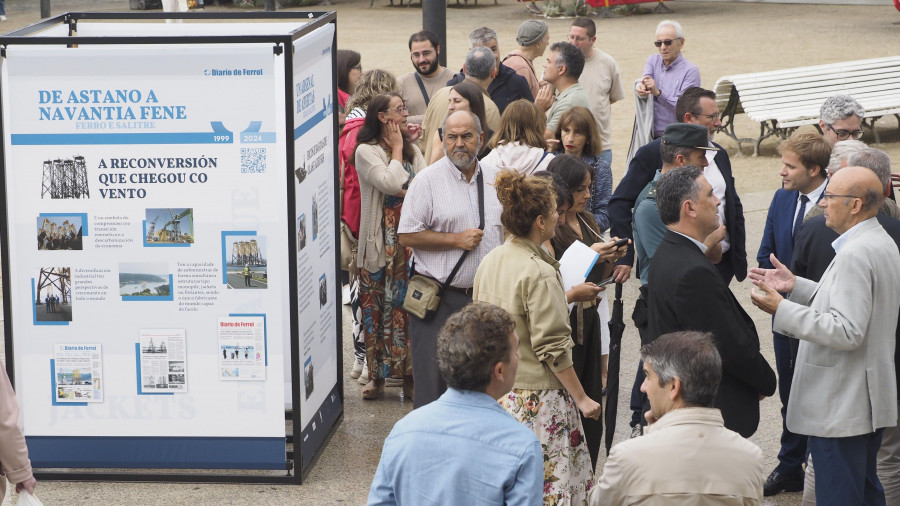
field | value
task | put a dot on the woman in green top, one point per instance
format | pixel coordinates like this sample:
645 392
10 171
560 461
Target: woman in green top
521 277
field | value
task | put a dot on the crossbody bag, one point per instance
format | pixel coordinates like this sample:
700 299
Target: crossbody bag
424 294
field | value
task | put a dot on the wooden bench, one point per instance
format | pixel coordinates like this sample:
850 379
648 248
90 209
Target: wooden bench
783 100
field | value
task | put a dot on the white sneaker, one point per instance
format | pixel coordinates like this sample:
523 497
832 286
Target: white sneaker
364 377
345 295
2 18
357 368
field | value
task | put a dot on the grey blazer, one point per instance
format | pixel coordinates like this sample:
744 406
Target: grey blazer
844 379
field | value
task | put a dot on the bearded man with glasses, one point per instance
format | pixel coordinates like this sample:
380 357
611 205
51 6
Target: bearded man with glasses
667 75
841 118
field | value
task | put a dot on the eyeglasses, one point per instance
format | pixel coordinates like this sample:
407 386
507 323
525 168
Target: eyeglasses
667 42
843 135
712 117
400 109
826 196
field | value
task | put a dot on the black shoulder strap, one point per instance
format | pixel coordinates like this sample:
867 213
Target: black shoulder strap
422 88
480 182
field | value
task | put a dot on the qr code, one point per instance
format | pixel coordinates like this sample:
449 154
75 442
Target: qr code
253 160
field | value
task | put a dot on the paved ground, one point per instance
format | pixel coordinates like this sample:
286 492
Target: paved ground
721 38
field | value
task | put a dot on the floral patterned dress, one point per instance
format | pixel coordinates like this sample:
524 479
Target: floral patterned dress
385 323
553 417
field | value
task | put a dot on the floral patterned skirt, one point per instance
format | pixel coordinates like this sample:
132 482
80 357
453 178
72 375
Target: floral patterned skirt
385 324
553 417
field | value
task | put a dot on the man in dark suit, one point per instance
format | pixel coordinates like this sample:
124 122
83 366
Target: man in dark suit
688 293
804 157
813 253
697 106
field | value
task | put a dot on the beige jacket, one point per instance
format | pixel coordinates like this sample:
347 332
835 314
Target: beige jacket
688 457
14 461
379 175
522 278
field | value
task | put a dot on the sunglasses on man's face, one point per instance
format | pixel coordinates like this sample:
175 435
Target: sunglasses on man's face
667 42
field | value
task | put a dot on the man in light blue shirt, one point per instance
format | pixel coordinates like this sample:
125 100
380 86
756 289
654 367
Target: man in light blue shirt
464 448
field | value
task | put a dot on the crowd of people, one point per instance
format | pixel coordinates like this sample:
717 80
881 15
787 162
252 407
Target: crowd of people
463 192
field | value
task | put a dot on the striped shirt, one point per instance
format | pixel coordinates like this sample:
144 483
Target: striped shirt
440 199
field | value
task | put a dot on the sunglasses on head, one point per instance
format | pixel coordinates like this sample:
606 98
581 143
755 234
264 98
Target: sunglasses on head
667 42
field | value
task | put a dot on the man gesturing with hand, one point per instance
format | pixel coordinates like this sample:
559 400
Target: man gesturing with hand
844 377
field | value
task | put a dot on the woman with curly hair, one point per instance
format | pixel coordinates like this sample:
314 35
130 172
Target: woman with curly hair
521 277
386 161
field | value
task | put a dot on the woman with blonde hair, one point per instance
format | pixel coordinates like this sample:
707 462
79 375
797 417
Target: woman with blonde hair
519 142
386 161
521 277
577 135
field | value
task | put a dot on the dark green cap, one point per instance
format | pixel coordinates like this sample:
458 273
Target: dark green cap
687 135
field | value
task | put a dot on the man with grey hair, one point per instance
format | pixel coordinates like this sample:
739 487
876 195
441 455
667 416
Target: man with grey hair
812 255
687 292
441 218
507 86
481 69
840 118
464 446
688 455
667 75
844 378
857 154
841 151
562 70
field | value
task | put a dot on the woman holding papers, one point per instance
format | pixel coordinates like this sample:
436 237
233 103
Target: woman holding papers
521 277
579 226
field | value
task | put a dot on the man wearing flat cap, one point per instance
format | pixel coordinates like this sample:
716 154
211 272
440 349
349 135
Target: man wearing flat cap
533 38
682 144
686 292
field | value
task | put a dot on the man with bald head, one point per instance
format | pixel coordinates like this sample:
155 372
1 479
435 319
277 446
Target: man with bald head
812 256
844 384
440 222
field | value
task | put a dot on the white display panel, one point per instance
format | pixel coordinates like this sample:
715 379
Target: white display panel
165 165
317 284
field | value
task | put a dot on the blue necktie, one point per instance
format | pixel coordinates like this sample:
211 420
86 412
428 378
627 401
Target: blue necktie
798 223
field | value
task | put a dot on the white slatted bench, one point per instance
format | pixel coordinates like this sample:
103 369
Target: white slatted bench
782 100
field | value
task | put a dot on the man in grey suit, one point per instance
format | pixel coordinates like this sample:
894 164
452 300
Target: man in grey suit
844 378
